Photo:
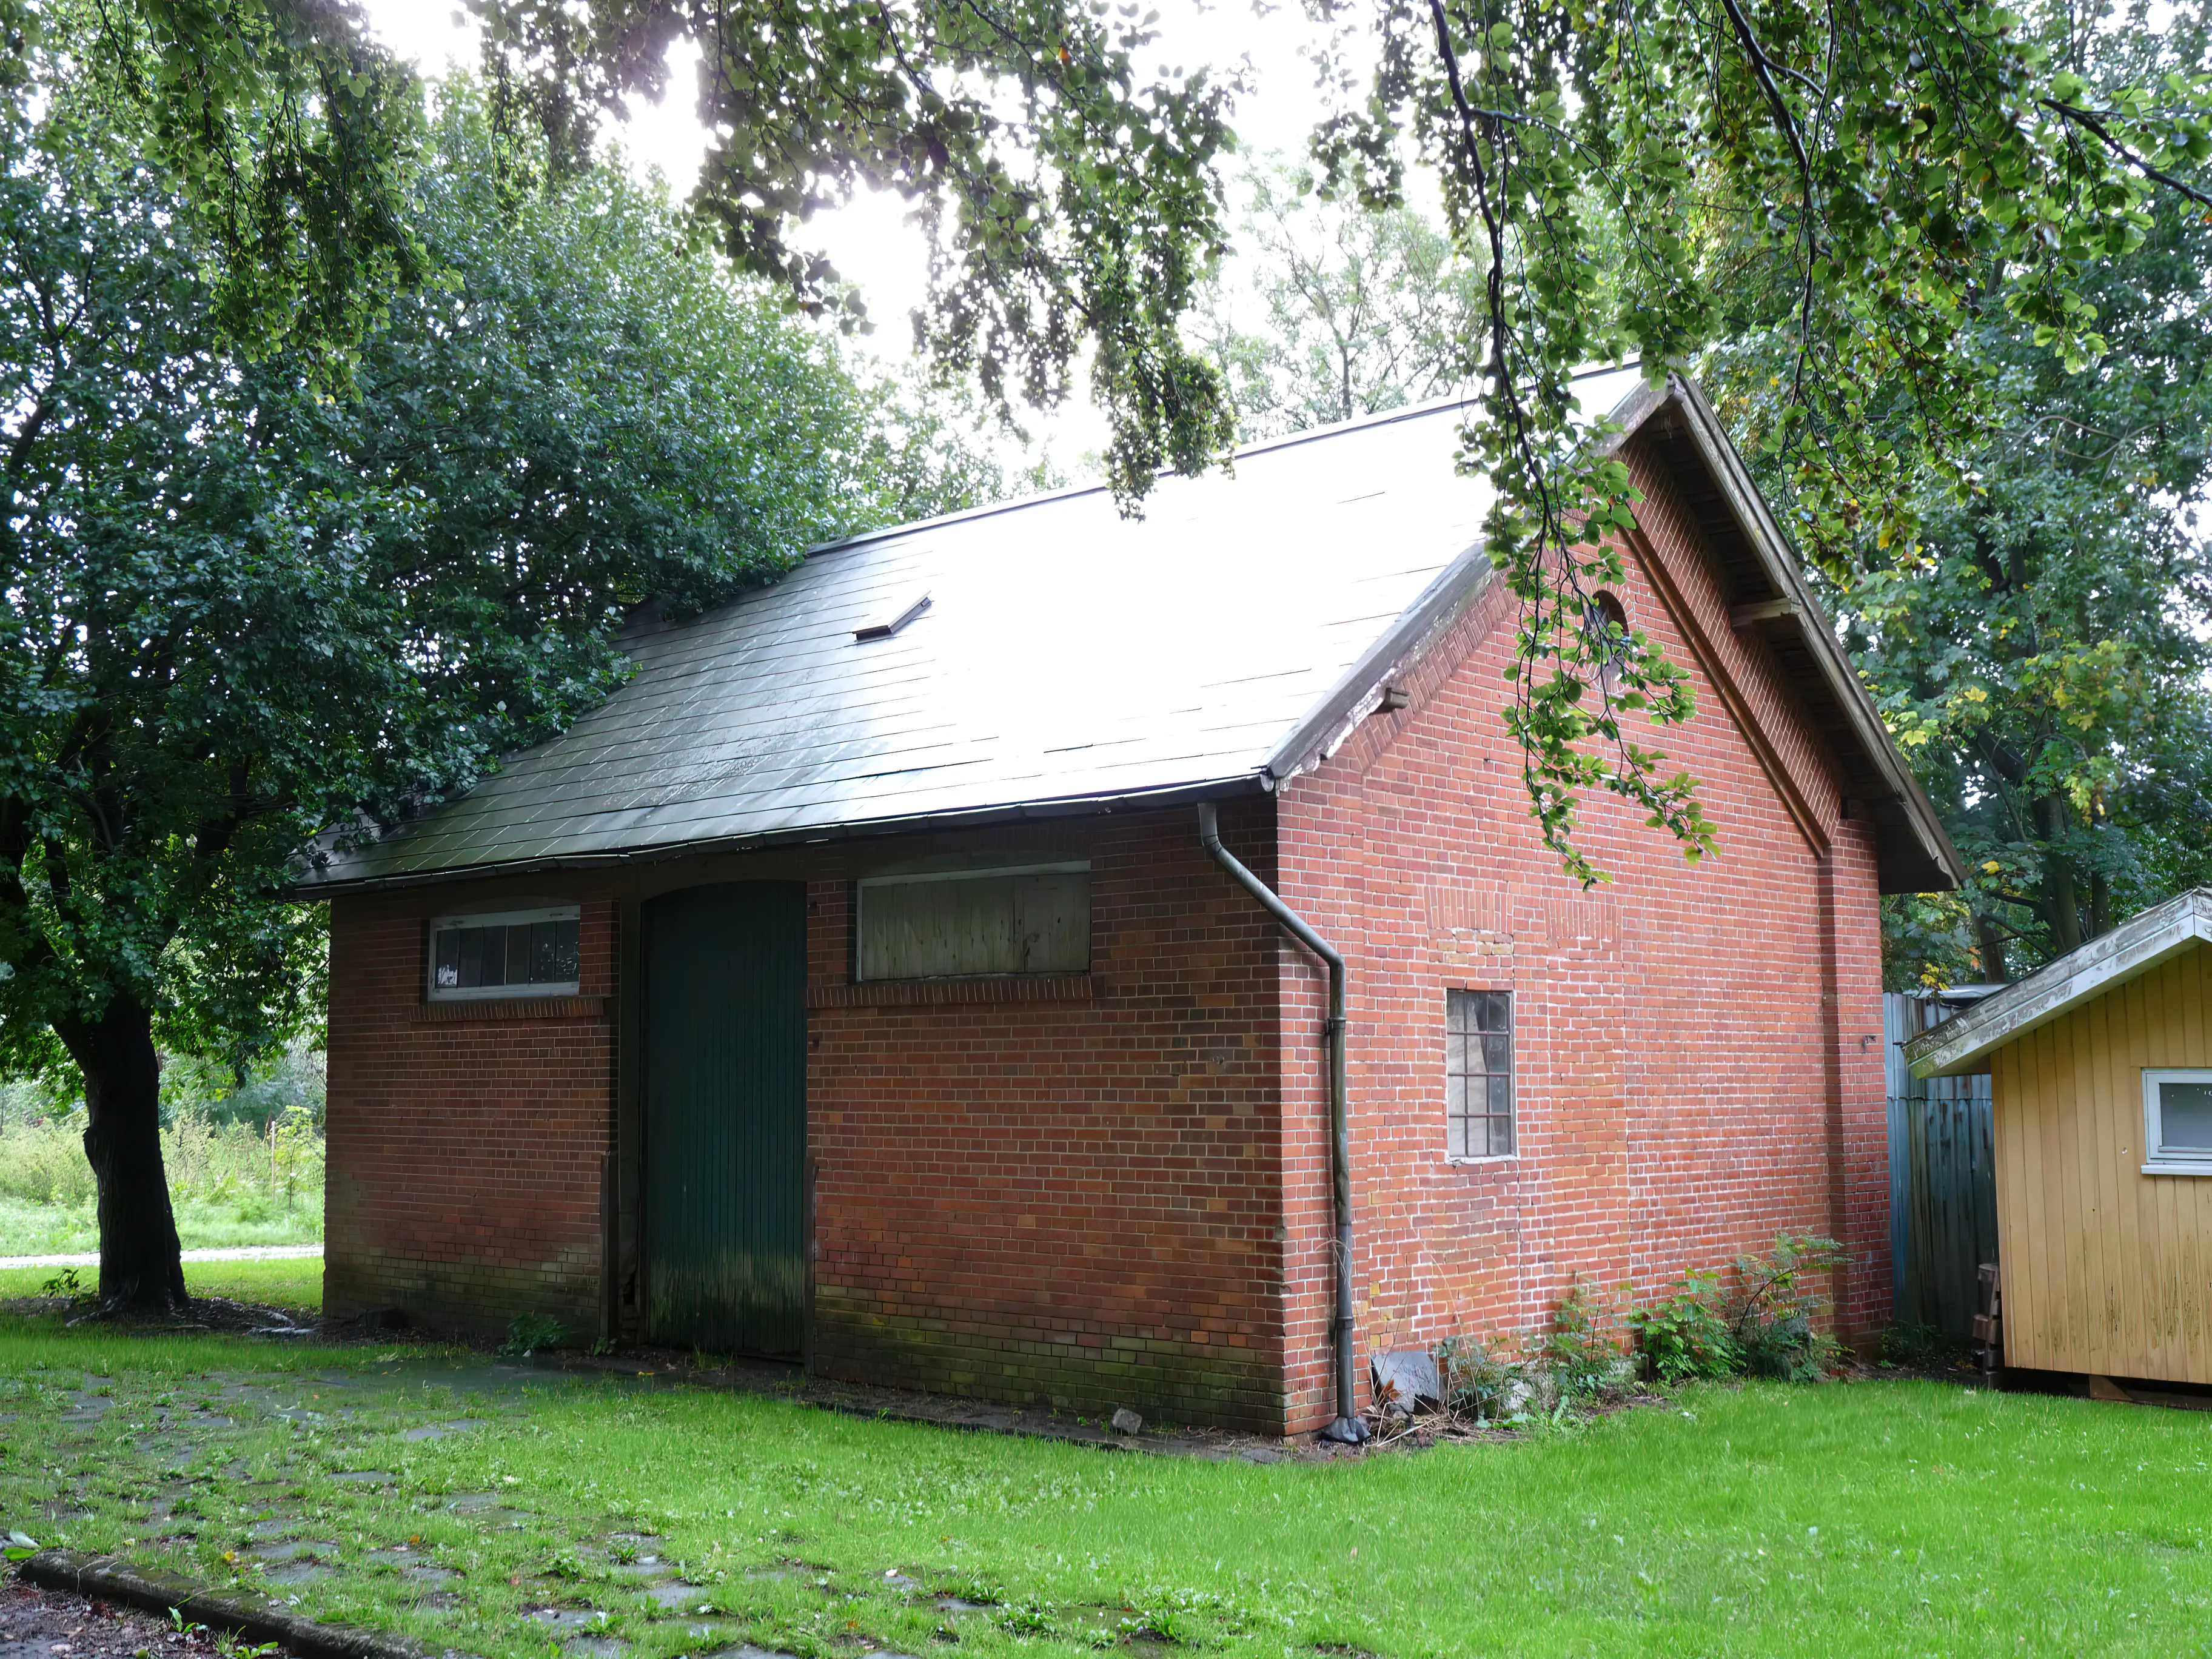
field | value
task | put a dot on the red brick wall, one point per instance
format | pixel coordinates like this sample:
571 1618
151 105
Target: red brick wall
464 1152
1681 1090
1071 1202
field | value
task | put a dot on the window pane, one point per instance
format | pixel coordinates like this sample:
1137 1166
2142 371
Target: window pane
488 954
1478 1074
445 958
2184 1117
541 953
567 958
1052 922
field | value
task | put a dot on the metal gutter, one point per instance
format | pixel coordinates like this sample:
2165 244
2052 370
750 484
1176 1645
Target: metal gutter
1346 1427
1252 783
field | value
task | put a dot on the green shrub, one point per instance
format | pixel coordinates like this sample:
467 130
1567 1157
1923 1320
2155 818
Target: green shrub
1686 1335
532 1332
1581 1357
42 1161
1778 1304
1922 1347
1479 1381
249 1177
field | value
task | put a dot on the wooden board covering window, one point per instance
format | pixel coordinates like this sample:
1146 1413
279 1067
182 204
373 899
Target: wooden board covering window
1034 921
2106 1270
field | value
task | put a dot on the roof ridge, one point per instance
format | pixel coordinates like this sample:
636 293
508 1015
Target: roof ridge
1266 446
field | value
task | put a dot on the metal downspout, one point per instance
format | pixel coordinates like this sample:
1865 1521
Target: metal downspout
1347 1427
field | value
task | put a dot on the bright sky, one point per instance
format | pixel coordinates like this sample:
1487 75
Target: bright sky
869 241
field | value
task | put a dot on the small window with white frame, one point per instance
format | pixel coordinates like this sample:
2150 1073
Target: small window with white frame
1478 1118
504 953
2177 1121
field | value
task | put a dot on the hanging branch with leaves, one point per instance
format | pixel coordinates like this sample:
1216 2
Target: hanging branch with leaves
1652 181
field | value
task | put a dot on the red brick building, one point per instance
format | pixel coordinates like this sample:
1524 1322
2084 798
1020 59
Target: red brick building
855 984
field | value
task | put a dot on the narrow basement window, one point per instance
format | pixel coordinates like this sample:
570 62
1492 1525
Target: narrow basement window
2177 1121
1478 1074
1024 919
504 953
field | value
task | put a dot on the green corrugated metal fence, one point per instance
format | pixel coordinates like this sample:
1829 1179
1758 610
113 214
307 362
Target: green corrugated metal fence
1942 1181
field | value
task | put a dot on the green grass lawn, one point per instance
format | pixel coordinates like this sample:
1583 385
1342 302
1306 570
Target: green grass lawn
60 1229
1874 1518
291 1283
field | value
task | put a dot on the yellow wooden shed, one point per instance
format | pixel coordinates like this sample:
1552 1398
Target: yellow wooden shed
2101 1082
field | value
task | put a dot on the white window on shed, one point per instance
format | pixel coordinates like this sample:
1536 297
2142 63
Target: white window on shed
1030 919
504 953
2177 1121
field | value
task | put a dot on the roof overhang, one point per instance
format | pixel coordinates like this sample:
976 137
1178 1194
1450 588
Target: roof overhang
312 888
1913 852
1964 1042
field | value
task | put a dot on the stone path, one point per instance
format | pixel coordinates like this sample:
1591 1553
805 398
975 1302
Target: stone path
235 1252
305 1492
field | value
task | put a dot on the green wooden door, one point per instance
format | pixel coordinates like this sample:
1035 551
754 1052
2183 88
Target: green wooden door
724 1078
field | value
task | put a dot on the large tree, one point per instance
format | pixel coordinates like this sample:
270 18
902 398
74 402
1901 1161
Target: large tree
2042 649
243 614
1329 310
1865 180
1868 176
2032 608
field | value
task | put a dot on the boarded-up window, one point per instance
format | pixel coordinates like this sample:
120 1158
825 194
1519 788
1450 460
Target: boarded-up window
532 952
1478 1074
1033 920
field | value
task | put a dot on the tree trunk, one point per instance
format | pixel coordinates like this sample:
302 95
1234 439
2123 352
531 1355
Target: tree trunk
2058 884
141 1265
1995 971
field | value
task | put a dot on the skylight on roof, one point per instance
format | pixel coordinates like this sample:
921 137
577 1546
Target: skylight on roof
885 630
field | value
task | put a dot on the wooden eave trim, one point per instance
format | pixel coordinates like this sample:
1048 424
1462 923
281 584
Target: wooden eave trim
1739 710
1767 544
1965 1041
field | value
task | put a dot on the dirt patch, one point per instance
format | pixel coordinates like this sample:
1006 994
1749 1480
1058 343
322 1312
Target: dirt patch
37 1624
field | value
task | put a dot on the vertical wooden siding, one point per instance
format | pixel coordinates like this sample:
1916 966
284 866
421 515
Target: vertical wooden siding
2106 1270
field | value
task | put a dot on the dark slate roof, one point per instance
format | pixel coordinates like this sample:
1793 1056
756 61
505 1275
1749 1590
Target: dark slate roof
1068 660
